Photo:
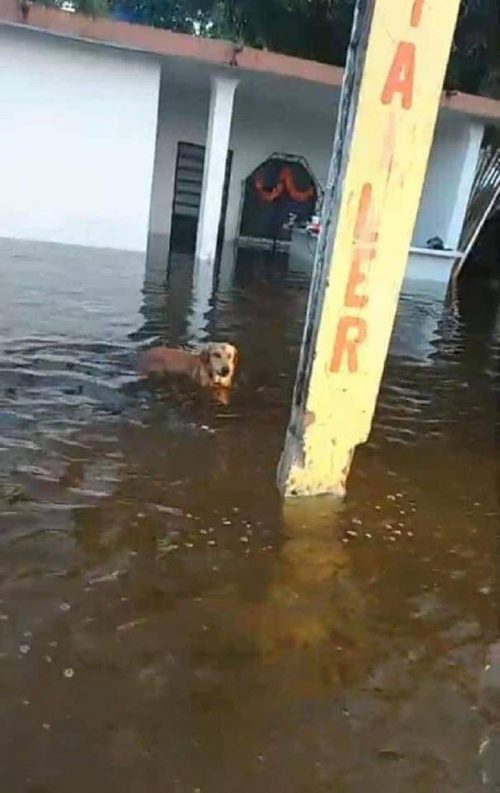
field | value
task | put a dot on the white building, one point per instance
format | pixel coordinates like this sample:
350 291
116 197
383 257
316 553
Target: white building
112 134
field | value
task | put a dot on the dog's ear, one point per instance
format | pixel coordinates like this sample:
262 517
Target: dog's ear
205 355
236 356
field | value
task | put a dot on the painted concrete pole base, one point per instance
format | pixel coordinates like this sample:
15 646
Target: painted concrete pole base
388 111
314 464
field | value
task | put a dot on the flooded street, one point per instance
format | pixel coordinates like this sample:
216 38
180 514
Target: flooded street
164 626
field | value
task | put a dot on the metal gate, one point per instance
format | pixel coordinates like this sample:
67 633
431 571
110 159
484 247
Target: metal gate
485 197
187 192
278 189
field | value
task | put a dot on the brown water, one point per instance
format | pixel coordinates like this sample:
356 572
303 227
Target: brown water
164 627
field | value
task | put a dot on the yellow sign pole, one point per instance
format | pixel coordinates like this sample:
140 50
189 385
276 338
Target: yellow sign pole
390 99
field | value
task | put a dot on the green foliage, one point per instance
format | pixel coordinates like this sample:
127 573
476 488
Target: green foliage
320 30
185 16
475 62
92 8
315 29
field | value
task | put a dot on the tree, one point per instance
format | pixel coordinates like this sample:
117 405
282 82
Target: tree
314 29
475 62
320 30
184 16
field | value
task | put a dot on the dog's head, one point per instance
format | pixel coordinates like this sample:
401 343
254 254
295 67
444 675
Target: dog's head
219 362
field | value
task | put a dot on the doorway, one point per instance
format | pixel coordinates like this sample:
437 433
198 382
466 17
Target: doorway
280 193
187 194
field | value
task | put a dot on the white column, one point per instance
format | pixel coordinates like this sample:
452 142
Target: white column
226 267
201 302
162 194
217 146
204 296
467 163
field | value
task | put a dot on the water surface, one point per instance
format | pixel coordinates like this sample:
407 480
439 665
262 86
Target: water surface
164 626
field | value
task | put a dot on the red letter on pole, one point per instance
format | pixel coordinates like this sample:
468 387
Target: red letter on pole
365 238
362 230
416 14
346 344
401 75
356 277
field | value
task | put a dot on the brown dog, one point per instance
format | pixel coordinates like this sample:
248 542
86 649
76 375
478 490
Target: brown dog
214 366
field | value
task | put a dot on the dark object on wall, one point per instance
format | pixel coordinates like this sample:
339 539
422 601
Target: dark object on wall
436 243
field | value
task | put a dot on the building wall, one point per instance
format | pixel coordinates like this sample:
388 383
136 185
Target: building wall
259 128
450 174
80 142
262 126
446 191
182 116
262 129
77 135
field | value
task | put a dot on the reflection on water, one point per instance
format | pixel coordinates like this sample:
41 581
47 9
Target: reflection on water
164 625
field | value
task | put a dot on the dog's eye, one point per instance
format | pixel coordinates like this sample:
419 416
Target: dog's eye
217 355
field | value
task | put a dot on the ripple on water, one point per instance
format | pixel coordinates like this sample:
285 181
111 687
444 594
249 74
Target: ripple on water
180 626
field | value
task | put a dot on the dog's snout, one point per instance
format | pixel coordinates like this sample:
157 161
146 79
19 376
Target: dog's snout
224 371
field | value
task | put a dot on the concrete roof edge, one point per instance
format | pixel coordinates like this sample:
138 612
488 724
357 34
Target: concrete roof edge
159 42
156 41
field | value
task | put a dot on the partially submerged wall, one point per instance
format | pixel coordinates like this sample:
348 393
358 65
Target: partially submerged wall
77 137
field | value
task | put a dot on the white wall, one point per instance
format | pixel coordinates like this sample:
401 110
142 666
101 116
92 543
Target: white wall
182 116
269 117
295 118
264 127
450 174
78 140
260 127
77 137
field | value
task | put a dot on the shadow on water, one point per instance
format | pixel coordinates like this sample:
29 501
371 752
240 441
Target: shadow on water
164 624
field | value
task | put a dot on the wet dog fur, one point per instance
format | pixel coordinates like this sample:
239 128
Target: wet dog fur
214 366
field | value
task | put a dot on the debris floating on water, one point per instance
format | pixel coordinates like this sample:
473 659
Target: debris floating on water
169 510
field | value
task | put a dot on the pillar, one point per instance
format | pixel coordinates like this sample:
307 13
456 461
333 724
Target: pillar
472 137
217 147
202 296
388 112
449 179
162 193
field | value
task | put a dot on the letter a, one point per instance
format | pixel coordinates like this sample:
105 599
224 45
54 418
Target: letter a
416 14
401 75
